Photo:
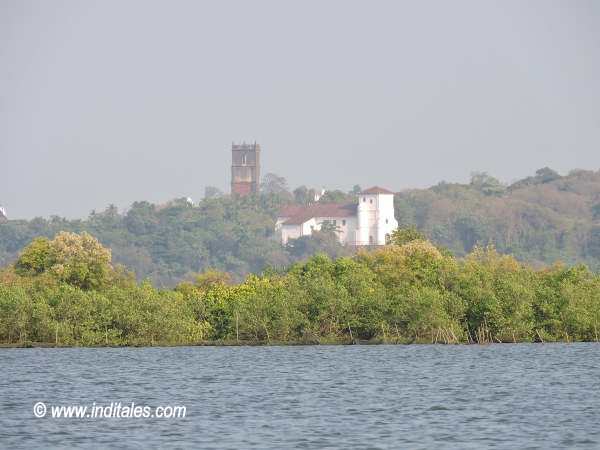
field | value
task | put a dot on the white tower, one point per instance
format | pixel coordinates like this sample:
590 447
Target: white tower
376 220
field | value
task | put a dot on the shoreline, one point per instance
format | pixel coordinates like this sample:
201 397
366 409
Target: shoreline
278 344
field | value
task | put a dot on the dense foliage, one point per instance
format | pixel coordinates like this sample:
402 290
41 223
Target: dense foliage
167 243
66 291
540 219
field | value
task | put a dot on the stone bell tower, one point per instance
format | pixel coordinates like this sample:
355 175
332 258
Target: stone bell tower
245 168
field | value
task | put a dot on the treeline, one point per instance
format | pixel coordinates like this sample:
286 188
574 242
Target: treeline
66 291
169 243
539 220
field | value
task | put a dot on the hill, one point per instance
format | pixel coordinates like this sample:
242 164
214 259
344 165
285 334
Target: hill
540 219
168 243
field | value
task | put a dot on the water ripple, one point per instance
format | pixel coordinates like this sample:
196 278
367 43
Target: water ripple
338 397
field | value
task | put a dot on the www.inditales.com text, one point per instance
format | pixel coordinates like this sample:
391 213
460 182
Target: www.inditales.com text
117 410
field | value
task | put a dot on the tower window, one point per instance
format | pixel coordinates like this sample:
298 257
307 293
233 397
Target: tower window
244 159
370 239
364 199
343 222
386 221
371 201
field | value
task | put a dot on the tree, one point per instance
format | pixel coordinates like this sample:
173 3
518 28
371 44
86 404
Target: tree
76 259
327 226
274 184
337 196
543 175
211 278
140 219
487 184
596 211
594 242
36 258
403 236
212 192
302 195
546 175
319 242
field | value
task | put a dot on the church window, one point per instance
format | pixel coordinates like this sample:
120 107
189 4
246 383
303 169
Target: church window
343 222
334 223
370 239
371 201
386 221
244 159
364 199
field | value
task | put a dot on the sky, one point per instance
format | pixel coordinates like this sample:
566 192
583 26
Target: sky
110 102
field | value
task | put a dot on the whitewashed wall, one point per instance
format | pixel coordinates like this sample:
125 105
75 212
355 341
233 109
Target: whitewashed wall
375 219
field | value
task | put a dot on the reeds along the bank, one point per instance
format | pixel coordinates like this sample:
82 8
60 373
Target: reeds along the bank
444 335
483 334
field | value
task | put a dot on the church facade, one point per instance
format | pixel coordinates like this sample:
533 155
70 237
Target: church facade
368 221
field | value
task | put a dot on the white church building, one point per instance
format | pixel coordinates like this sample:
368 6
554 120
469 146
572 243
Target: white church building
369 221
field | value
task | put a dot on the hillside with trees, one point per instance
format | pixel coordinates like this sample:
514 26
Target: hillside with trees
540 219
170 242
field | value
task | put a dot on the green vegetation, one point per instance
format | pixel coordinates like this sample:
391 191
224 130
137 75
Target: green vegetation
169 243
197 270
66 291
539 220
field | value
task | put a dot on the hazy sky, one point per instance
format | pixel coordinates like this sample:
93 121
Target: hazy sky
115 101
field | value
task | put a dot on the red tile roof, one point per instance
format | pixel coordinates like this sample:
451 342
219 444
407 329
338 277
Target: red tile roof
376 190
291 210
300 214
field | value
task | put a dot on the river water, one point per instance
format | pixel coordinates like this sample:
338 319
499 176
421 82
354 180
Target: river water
314 397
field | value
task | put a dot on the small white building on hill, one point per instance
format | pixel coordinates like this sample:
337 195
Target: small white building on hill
369 221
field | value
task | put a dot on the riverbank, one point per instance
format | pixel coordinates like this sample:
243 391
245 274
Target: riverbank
408 293
277 344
